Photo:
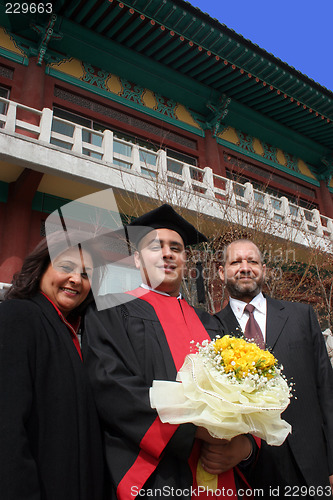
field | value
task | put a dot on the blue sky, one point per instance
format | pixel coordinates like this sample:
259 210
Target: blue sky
299 32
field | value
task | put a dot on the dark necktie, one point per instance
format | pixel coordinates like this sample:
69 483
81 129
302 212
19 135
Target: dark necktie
252 329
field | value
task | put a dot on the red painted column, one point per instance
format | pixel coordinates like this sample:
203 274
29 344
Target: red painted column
326 199
16 223
16 228
223 162
212 154
32 90
32 93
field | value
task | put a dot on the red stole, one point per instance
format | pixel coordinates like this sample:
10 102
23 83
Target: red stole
73 329
181 325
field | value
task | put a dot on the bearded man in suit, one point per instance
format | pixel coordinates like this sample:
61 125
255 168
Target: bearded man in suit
303 465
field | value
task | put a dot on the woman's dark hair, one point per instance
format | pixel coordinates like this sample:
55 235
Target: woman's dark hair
26 282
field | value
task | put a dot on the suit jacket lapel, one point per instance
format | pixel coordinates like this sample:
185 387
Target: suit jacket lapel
230 321
275 321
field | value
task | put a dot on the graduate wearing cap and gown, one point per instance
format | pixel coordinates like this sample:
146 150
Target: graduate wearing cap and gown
128 346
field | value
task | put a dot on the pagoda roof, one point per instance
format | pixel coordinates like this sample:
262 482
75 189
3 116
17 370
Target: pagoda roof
182 53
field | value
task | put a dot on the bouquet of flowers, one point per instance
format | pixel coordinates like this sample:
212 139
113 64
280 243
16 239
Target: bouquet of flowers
229 386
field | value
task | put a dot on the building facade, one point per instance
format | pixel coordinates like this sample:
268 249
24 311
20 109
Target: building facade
99 94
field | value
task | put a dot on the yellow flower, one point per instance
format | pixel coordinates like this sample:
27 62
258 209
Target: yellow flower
244 358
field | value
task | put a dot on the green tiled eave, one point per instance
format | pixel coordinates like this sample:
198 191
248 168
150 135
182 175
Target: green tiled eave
177 51
121 61
270 131
116 60
213 35
111 20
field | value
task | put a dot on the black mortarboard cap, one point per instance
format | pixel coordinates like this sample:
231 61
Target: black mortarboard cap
166 217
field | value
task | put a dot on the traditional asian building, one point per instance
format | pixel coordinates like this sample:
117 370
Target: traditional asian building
103 93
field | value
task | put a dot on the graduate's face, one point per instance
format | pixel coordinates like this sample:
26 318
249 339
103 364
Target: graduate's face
243 272
66 280
161 260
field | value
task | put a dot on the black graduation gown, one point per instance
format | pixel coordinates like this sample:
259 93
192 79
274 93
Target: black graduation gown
50 439
125 349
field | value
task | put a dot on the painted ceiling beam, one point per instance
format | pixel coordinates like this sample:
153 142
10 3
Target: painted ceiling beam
250 93
317 101
265 100
224 75
203 68
218 66
324 136
68 7
85 10
184 59
113 14
161 6
149 39
117 26
285 114
159 44
59 7
291 86
306 117
129 30
240 86
179 52
261 100
142 31
317 128
100 12
171 46
195 63
275 106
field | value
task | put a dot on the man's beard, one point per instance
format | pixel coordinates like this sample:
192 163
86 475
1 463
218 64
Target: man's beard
238 290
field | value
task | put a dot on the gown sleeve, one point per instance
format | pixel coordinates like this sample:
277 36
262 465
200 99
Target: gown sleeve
119 354
18 469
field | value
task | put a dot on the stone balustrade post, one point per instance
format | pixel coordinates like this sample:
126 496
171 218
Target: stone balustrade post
45 125
77 138
107 146
136 166
11 117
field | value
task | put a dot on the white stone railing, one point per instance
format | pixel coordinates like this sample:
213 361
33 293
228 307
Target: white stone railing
287 218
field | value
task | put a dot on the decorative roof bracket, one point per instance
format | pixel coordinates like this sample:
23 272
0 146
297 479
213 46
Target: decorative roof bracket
218 111
47 33
326 170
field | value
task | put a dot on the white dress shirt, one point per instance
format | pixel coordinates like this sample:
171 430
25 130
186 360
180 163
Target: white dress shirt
260 304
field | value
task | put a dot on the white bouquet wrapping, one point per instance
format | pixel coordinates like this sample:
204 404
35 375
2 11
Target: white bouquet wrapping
230 387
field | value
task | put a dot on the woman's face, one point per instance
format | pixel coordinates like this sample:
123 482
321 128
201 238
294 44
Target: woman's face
66 280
